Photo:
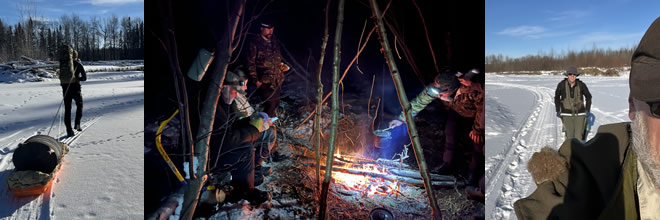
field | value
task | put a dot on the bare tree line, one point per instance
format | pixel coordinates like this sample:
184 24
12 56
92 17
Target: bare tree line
595 57
108 38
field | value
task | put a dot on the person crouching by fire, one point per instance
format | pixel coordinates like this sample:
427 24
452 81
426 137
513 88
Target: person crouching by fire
233 143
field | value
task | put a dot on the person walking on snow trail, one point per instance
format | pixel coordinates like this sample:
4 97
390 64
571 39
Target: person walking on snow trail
570 97
71 73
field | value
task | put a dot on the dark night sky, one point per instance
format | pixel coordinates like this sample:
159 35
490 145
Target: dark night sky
299 25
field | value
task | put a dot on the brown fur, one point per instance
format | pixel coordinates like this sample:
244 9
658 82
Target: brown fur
546 165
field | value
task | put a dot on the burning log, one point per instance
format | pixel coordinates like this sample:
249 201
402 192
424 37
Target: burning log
442 181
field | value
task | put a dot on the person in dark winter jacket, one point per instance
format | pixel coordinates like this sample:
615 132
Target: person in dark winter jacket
467 107
232 143
570 97
616 174
71 91
265 67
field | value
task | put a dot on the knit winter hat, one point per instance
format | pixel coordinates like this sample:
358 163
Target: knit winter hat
645 67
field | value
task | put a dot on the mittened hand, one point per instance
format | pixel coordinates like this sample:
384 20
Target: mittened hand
261 121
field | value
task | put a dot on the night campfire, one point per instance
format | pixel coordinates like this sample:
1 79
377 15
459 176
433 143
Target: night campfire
352 145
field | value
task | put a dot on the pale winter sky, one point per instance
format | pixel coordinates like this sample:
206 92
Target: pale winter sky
54 9
517 28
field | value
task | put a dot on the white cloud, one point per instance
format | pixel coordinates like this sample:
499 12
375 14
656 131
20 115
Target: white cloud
113 2
44 19
568 15
522 31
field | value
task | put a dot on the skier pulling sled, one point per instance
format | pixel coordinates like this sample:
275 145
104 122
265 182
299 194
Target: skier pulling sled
36 162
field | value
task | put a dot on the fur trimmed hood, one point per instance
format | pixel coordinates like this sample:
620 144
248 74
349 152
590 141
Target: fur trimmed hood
546 165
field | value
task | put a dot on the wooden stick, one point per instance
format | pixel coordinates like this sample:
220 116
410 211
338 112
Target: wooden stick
319 108
412 131
335 112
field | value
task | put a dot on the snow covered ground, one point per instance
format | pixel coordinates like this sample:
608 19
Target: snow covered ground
102 176
520 120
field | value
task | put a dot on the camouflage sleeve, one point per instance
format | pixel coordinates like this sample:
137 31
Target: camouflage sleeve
252 62
418 104
480 117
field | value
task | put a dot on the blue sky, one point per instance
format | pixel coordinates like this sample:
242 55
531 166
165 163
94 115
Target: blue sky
517 28
54 9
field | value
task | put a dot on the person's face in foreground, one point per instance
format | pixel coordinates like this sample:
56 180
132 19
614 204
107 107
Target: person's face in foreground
646 137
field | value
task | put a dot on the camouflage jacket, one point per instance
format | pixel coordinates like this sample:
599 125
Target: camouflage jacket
263 61
469 103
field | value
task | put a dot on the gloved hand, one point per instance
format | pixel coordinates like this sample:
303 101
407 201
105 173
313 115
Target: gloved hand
395 123
261 121
558 115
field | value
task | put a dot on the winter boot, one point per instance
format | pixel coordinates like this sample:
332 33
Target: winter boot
256 196
69 132
261 170
258 179
77 127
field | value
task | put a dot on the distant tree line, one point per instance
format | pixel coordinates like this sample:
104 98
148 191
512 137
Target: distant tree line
109 38
605 58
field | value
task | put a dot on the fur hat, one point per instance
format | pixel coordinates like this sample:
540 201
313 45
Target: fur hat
645 66
546 165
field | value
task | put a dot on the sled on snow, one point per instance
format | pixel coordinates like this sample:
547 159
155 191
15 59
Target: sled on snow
36 162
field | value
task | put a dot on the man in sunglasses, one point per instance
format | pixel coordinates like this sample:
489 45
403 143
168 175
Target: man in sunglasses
570 106
616 175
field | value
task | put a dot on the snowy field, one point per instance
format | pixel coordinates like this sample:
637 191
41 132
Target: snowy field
102 176
521 119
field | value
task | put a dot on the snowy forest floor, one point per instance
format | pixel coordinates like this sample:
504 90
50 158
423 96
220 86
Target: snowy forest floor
292 184
520 120
102 176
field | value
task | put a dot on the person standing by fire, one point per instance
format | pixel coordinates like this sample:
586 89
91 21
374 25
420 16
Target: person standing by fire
265 67
467 107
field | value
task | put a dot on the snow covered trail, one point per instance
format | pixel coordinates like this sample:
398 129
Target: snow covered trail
520 124
102 176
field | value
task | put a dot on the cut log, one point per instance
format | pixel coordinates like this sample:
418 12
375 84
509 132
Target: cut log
446 182
415 174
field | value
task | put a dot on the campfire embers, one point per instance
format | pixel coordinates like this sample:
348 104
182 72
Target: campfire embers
365 180
357 176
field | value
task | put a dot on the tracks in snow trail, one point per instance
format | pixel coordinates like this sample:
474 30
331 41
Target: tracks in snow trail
508 179
69 140
31 207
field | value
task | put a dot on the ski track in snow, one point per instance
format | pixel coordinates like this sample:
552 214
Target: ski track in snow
28 109
507 178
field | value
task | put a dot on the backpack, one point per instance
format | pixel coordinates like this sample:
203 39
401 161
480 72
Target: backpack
65 56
